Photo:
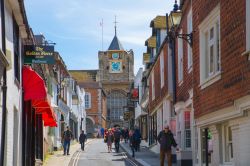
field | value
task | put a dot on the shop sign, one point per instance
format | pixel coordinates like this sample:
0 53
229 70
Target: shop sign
34 54
146 58
135 95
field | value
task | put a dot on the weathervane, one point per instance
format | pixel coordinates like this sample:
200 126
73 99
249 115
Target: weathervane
115 24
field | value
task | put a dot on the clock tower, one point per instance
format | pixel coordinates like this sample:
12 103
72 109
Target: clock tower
116 73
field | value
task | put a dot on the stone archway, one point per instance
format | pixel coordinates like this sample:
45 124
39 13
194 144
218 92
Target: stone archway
90 126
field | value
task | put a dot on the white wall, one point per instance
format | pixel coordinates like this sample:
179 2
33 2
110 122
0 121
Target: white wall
13 103
138 83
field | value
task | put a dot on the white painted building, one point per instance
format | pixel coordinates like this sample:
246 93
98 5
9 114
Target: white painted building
14 33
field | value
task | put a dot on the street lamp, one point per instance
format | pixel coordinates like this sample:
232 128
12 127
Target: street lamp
173 22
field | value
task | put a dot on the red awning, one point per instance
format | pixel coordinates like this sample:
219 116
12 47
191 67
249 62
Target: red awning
33 85
43 107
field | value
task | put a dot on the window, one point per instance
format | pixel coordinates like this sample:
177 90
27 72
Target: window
187 132
228 144
180 59
116 101
16 49
153 85
248 25
87 100
210 65
162 68
189 30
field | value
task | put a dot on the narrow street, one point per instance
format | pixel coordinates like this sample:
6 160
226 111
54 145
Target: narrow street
96 154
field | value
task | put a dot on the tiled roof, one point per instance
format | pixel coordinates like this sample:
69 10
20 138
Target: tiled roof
151 42
84 75
115 44
91 85
159 22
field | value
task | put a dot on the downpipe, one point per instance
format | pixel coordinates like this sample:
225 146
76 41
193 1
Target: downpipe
4 87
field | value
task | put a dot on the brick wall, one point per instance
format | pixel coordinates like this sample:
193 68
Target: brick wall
235 75
160 93
183 88
94 103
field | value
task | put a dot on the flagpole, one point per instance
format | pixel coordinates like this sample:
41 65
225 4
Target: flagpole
102 34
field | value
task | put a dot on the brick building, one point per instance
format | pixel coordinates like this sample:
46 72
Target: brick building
221 81
95 99
183 103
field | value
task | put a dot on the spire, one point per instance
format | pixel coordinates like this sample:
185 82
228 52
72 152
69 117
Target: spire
115 44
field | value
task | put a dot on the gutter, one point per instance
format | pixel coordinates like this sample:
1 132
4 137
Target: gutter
4 87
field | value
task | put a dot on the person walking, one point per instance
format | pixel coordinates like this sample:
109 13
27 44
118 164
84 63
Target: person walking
126 135
137 139
166 141
132 142
67 136
117 136
82 139
109 140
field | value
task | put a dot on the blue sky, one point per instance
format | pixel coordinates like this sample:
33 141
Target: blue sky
74 25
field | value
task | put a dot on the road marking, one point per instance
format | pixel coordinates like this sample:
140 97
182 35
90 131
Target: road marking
76 159
128 159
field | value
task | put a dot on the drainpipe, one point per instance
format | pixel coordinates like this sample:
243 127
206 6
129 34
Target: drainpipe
4 87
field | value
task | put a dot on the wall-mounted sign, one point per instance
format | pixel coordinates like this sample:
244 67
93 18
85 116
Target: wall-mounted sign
39 54
146 58
135 95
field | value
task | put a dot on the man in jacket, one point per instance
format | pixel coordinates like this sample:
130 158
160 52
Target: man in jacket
117 136
67 136
166 141
82 139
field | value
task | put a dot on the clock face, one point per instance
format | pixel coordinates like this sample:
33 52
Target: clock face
116 67
115 56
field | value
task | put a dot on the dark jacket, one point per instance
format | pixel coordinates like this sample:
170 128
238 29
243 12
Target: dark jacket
132 140
82 138
117 135
166 140
67 135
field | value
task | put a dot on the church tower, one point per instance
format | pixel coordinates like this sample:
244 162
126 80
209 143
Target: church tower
116 73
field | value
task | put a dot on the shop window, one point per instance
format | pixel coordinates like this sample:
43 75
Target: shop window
210 65
228 144
187 131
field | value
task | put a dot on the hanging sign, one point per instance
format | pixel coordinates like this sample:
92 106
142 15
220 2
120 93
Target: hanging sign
39 54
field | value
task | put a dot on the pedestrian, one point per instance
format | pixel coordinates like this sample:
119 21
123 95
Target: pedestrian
132 142
126 135
137 139
67 136
82 139
109 139
117 136
166 141
102 132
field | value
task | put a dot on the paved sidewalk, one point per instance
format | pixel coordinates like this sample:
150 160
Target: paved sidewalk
58 159
145 157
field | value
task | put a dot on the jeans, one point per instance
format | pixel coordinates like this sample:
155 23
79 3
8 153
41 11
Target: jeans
82 145
169 157
133 150
117 145
66 146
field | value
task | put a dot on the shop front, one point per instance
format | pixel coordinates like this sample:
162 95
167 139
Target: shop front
37 113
